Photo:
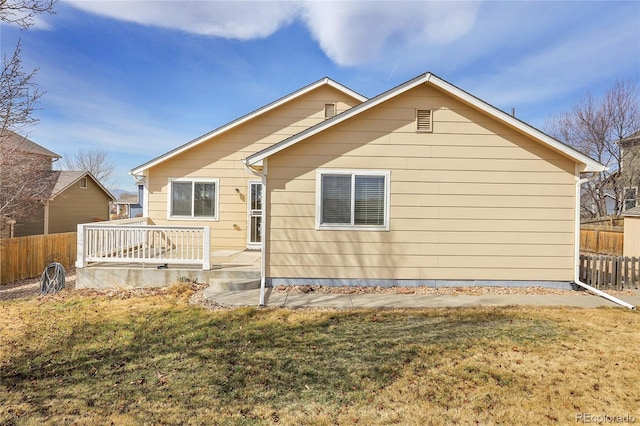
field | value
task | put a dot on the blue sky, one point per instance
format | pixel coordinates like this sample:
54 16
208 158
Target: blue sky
142 77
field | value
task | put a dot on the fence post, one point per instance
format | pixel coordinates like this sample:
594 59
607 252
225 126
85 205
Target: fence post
80 263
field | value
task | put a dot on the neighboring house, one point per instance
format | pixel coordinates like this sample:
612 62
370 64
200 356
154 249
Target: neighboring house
75 197
127 206
23 160
64 198
630 170
589 210
420 184
37 156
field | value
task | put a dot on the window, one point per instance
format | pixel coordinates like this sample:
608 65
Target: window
352 199
83 183
424 120
329 110
193 199
630 195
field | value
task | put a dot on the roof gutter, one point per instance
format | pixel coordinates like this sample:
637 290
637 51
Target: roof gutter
576 273
263 259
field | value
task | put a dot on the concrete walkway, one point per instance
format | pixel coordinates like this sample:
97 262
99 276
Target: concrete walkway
310 300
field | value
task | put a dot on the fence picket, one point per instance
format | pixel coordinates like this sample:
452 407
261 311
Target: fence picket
610 242
609 272
26 257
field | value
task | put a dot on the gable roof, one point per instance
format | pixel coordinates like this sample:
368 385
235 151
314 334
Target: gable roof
26 145
62 180
633 139
635 211
127 198
235 123
429 78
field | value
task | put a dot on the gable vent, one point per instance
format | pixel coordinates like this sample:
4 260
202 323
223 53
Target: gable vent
329 110
424 120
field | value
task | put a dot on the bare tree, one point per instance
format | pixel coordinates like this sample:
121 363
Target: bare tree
19 94
605 129
23 12
94 160
25 177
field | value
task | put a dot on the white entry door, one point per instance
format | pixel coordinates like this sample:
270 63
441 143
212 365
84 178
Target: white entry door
254 222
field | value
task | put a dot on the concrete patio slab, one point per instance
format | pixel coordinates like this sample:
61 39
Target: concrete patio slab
319 300
345 301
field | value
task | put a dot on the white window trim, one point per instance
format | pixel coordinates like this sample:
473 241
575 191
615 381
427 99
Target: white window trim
387 185
84 183
192 218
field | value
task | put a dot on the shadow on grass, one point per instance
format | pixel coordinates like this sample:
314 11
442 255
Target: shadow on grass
228 361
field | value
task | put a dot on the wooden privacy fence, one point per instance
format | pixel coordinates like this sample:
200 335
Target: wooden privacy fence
602 241
610 272
26 257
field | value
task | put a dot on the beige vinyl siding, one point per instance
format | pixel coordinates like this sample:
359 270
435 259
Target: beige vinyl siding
221 158
474 199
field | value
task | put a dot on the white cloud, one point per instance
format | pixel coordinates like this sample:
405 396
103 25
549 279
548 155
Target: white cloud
353 33
350 33
239 20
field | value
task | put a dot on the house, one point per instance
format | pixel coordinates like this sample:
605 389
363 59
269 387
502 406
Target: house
630 170
58 200
127 206
421 184
74 197
204 181
424 184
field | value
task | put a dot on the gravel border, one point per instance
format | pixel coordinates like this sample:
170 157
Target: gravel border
441 291
30 287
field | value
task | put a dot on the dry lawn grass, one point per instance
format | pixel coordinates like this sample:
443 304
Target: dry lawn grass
89 358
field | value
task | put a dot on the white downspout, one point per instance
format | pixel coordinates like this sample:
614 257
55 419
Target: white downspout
263 226
576 272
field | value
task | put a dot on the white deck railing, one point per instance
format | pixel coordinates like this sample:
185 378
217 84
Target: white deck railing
134 241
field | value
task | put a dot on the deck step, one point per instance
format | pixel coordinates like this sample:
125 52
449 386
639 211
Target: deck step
218 285
238 273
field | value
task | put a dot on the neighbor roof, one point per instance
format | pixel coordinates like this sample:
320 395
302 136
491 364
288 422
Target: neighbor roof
65 179
632 212
429 78
26 145
324 81
631 140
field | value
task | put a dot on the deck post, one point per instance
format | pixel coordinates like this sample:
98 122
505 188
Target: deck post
80 263
206 249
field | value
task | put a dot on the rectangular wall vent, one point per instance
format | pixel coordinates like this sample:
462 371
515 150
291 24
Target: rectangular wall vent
424 119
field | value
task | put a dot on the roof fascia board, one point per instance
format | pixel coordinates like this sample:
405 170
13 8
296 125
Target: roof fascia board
590 164
235 123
